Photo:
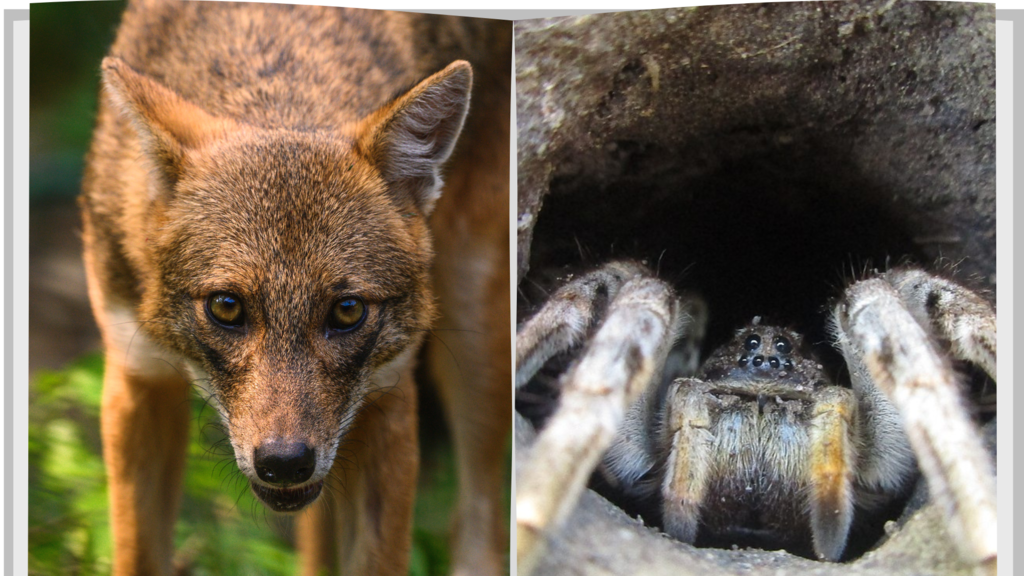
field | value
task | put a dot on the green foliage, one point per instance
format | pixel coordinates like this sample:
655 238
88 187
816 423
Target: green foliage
68 41
221 528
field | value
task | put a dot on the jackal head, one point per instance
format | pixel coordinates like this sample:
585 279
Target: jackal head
288 266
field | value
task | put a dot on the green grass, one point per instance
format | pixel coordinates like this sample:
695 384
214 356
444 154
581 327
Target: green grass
221 528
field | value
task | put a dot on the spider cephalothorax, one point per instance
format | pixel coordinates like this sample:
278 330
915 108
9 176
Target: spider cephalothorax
759 443
761 447
748 423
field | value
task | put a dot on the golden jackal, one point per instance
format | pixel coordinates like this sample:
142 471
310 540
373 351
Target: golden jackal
262 205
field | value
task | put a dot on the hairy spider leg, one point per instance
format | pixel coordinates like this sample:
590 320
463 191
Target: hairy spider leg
688 469
639 442
957 314
832 465
568 317
625 354
877 326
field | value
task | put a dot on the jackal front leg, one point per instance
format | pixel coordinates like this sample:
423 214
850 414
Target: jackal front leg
370 491
144 426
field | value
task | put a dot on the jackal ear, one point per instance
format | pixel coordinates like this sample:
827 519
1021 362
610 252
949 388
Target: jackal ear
410 138
168 124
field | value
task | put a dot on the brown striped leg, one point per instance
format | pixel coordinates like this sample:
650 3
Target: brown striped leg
625 354
687 472
958 315
903 361
638 442
569 315
831 471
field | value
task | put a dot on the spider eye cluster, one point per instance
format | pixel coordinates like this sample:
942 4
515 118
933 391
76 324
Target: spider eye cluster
781 345
753 342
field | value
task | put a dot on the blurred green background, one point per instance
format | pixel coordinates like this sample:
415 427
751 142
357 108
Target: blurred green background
221 530
68 40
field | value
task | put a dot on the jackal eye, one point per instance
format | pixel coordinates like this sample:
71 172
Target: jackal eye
226 309
347 314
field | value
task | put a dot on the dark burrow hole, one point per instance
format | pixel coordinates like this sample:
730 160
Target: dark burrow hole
776 234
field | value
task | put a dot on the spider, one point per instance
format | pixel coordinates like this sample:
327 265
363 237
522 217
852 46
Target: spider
758 440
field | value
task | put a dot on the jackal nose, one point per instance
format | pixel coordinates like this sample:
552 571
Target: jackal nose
283 463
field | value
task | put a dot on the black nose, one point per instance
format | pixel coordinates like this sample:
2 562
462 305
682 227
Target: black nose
284 463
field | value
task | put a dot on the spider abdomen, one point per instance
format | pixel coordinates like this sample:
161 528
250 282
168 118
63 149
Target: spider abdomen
757 483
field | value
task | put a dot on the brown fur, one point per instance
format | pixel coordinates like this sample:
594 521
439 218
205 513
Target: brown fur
288 155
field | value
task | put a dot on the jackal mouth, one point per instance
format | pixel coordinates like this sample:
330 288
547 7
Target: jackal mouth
287 499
